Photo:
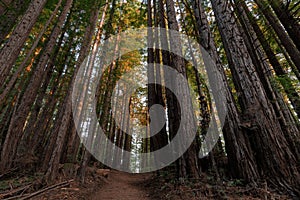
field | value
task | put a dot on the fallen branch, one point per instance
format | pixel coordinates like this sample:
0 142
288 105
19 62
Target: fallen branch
27 196
59 185
11 192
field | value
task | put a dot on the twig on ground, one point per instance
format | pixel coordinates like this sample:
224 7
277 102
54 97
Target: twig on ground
11 192
27 196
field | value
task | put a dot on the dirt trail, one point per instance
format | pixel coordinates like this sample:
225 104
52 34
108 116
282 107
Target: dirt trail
123 186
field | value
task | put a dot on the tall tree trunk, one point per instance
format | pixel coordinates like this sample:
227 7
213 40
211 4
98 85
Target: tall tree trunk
188 163
32 124
67 107
87 155
160 139
15 131
282 35
160 39
14 78
278 68
287 121
240 156
10 52
9 16
262 126
150 72
290 23
203 102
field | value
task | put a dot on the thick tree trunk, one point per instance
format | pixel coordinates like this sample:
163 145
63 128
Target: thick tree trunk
287 121
274 160
240 156
278 68
154 90
188 163
10 52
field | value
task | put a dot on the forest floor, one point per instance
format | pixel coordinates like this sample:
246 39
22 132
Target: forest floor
115 185
125 186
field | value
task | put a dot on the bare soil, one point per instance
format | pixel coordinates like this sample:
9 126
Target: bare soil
121 185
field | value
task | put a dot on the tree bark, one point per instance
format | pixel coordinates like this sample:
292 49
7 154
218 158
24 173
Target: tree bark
282 35
9 16
188 163
290 23
287 121
240 157
278 68
260 121
10 52
15 131
67 105
14 78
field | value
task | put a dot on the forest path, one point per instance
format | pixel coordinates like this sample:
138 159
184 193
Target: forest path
123 186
